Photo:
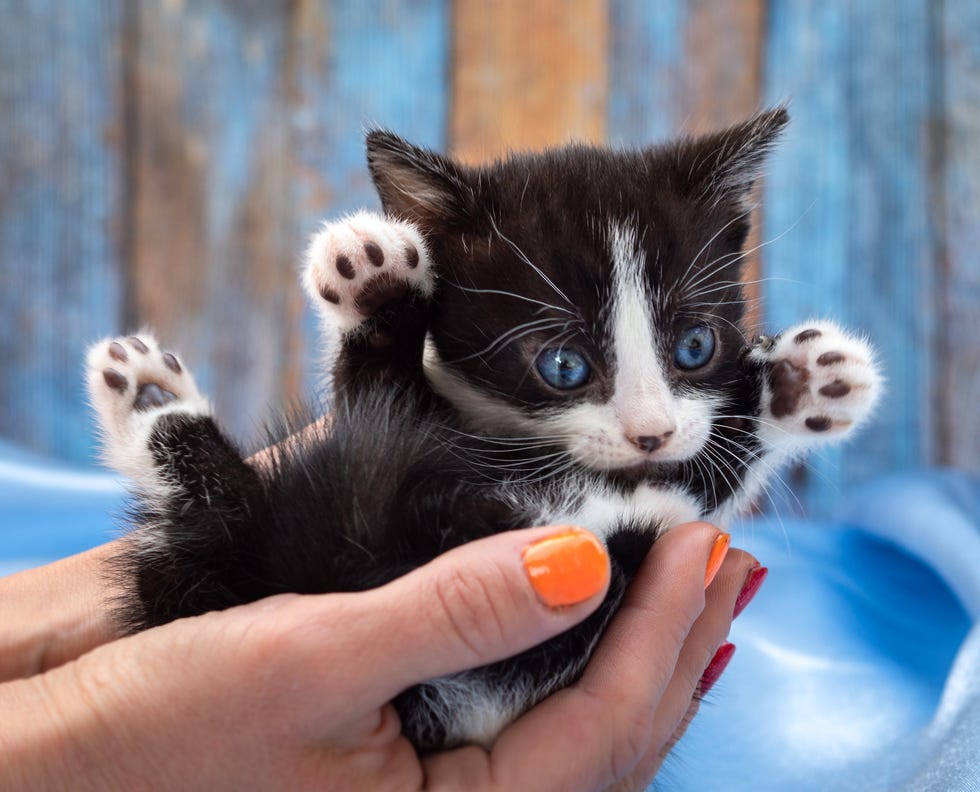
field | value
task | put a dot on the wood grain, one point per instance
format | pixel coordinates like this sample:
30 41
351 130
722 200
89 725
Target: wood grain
957 391
212 249
849 214
686 66
356 66
60 202
526 75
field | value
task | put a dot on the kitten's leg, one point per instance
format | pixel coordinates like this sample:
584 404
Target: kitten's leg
196 497
817 385
370 278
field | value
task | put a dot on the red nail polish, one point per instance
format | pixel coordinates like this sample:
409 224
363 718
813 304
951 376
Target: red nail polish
752 584
715 668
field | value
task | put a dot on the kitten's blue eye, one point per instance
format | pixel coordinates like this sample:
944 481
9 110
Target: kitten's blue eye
694 348
563 368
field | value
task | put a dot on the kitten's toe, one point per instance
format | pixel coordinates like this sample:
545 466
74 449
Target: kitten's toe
357 265
131 382
821 380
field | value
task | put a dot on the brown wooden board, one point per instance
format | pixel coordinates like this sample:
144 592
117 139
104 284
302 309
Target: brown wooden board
526 75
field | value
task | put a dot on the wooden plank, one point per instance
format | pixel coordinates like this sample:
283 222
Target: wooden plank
213 234
358 65
848 210
60 195
527 75
673 66
673 69
958 384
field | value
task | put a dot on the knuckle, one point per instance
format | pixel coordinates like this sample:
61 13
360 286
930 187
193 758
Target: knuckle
472 615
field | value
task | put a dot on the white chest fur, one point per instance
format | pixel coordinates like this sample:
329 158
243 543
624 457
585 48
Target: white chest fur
601 509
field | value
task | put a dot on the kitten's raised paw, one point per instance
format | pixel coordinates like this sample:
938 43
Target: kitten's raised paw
357 265
820 381
131 382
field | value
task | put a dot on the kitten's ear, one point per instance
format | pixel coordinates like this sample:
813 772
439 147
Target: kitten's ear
416 184
724 165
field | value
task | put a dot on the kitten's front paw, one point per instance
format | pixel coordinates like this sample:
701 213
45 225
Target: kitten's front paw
131 382
359 264
820 381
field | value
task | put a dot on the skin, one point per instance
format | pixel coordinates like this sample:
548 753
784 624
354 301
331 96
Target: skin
265 696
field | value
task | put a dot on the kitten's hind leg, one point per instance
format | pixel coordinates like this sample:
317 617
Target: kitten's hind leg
370 279
132 382
198 503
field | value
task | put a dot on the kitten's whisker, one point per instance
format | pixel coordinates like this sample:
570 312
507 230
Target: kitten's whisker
523 256
524 464
716 449
718 286
768 466
761 245
707 244
712 317
475 290
498 344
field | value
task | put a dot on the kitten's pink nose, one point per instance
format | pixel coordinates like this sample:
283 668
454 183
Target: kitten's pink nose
650 443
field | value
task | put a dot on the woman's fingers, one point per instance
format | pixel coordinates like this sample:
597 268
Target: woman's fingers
479 603
595 732
705 646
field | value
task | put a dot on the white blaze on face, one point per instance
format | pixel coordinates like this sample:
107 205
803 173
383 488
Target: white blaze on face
644 420
641 400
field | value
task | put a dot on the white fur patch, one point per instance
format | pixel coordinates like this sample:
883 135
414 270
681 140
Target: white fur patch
602 509
347 237
124 430
831 358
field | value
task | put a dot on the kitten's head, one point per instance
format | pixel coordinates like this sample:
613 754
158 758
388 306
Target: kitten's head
587 295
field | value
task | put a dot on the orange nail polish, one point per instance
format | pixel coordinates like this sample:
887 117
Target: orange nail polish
567 568
717 557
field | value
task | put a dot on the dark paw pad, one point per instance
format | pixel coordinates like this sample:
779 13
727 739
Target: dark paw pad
150 395
818 423
837 389
789 384
114 380
378 293
807 335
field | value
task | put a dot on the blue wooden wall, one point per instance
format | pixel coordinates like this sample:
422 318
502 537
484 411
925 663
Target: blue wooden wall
163 161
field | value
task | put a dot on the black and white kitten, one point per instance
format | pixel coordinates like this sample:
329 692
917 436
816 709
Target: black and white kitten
550 339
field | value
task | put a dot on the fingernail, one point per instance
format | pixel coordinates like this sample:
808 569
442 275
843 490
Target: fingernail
718 552
716 667
752 584
567 568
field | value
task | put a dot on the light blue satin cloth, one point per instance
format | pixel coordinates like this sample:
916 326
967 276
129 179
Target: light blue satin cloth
857 666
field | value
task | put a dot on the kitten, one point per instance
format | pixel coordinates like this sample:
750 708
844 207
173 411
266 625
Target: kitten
554 338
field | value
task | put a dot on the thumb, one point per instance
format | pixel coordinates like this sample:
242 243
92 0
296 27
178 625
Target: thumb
485 601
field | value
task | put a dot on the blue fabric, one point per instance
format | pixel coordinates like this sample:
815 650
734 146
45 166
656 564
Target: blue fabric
858 663
857 666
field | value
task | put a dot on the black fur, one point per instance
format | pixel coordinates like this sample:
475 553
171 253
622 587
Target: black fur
399 477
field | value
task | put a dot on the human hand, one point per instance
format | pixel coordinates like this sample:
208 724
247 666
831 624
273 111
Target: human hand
292 692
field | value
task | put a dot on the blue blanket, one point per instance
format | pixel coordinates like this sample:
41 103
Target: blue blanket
858 663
